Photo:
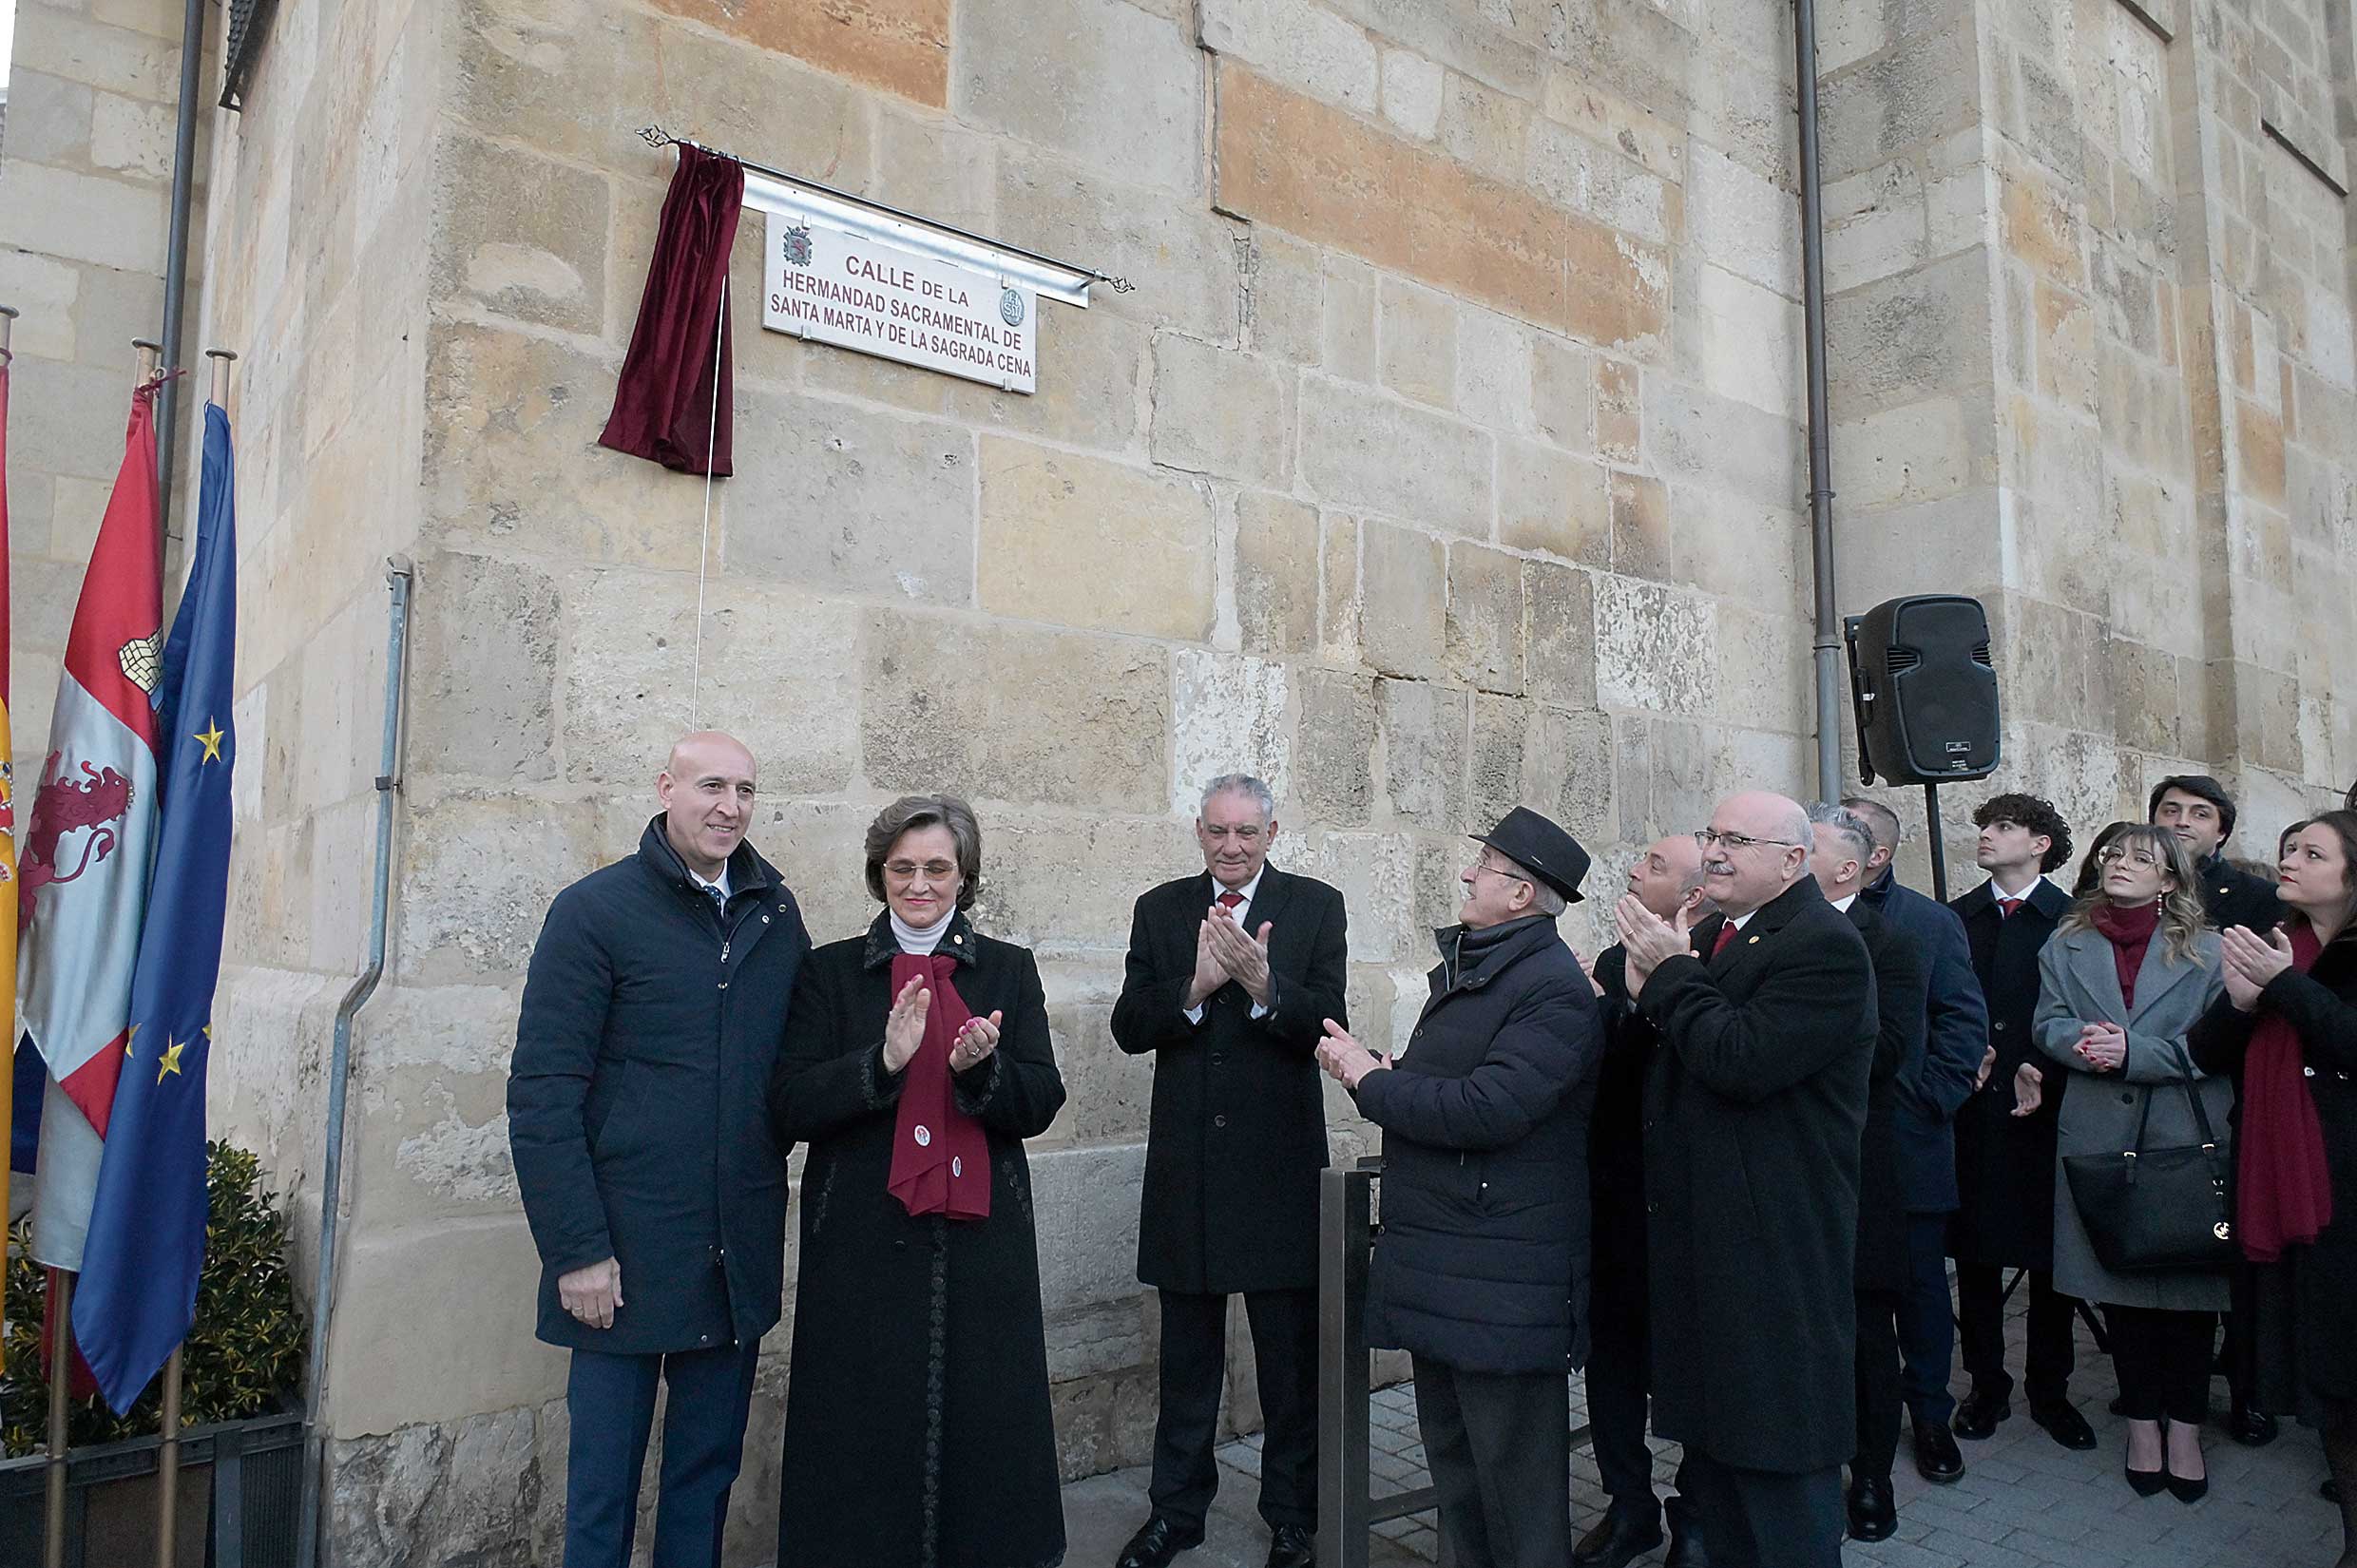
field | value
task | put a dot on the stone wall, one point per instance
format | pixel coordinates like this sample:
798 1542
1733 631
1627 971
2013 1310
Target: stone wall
86 179
1446 455
2091 363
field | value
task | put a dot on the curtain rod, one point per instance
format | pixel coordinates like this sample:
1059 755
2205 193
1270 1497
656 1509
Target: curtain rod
655 136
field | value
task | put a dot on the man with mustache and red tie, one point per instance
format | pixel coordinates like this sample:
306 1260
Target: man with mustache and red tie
1231 973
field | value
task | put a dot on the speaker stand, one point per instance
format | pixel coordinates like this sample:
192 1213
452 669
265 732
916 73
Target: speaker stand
1939 841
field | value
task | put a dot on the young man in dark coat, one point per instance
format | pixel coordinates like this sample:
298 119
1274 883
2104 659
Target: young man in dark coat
1667 878
1754 1109
1231 976
2201 814
1480 1273
1842 848
2004 1161
638 1109
1931 1088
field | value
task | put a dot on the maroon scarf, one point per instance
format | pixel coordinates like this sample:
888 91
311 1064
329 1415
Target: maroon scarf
2284 1187
2130 931
941 1161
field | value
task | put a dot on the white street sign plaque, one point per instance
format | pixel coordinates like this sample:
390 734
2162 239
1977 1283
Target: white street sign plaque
831 287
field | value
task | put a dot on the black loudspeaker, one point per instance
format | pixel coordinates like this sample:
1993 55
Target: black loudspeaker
1924 689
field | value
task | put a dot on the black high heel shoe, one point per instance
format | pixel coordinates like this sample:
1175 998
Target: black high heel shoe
2179 1487
2146 1482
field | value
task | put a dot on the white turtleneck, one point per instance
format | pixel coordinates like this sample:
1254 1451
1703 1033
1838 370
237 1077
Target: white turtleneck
914 940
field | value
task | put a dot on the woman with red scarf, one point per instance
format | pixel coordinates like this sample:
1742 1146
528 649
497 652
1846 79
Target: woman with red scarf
2128 972
915 1062
2288 1022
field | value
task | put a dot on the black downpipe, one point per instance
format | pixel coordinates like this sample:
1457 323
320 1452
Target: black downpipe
176 255
1829 640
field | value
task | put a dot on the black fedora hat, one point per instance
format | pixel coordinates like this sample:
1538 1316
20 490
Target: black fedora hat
1540 847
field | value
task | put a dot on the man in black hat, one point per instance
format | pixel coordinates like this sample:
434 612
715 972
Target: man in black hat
1481 1272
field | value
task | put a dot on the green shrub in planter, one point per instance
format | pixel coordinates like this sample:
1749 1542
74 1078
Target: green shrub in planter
243 1358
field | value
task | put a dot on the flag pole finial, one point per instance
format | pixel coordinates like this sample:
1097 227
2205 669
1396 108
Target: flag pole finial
222 359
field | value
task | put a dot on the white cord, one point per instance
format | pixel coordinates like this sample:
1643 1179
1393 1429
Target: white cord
703 546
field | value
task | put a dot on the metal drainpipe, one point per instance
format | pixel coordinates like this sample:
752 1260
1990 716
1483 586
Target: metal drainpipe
399 576
1829 632
176 254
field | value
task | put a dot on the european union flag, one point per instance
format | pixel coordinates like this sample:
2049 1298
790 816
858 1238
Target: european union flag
138 1292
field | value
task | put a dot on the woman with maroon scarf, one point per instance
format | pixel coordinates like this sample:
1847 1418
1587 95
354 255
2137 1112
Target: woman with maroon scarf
915 1062
2126 974
2288 1022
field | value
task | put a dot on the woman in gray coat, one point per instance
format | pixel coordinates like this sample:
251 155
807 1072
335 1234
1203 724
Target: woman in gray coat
2129 968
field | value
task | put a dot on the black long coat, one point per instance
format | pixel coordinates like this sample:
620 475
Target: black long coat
1483 1260
1902 981
1616 1148
2322 1004
1237 1133
1938 1079
1755 1110
638 1100
2005 1163
917 1422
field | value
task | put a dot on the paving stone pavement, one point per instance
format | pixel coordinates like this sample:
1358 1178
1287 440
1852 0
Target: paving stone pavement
2024 1501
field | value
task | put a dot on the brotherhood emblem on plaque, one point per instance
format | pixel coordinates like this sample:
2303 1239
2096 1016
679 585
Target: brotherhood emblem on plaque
797 246
1010 307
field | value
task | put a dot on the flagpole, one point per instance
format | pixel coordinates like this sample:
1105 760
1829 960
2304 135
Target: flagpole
167 1466
8 1057
61 1373
222 359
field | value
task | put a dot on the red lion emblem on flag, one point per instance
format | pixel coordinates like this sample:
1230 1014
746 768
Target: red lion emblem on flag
95 802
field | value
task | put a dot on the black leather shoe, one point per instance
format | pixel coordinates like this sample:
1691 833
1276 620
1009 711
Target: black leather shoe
2331 1490
1292 1546
2251 1427
1686 1548
1618 1540
1977 1416
2145 1482
1873 1513
1937 1457
2064 1424
1159 1540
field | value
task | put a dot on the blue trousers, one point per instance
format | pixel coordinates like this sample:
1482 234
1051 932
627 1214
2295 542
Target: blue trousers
1760 1518
1926 1322
611 1402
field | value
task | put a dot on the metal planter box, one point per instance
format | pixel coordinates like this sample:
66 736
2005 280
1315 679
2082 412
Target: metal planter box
240 1488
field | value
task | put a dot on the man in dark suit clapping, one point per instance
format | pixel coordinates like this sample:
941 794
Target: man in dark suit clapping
1754 1108
1231 975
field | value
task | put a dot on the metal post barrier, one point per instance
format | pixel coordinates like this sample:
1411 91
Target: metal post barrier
1346 1511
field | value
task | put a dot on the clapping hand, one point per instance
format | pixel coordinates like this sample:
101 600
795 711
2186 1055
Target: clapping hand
976 1039
1243 957
1345 1060
904 1029
1208 973
2252 961
2029 1089
2102 1046
1648 939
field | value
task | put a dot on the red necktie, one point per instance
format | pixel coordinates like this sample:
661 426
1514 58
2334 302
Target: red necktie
1230 899
1726 935
2006 908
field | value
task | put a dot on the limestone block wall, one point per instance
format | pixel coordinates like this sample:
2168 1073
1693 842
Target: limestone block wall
86 177
2090 317
1443 458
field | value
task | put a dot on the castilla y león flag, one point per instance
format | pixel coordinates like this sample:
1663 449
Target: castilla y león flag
85 848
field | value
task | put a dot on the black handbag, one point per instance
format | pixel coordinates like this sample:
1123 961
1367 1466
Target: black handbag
2147 1208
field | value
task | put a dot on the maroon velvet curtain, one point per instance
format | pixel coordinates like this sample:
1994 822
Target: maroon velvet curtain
663 403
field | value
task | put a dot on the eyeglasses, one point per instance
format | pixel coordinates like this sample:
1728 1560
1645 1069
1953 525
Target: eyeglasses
2111 855
1711 838
1484 865
906 870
